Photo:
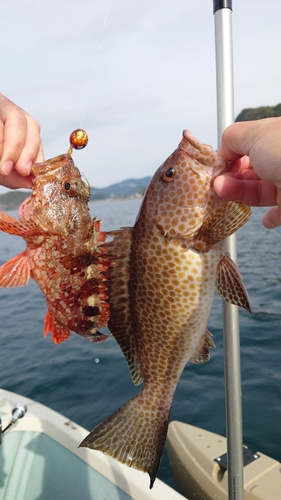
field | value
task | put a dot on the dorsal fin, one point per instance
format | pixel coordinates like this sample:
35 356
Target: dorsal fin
121 323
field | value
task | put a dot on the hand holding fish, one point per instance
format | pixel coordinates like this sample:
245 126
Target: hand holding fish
254 150
20 145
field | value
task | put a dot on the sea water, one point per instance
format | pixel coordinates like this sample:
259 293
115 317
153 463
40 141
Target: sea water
86 381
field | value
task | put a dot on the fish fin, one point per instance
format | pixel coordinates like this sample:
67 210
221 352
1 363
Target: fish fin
15 272
59 332
230 284
121 323
99 236
223 222
133 435
96 337
201 354
10 225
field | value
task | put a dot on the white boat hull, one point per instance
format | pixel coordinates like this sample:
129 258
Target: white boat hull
40 459
192 452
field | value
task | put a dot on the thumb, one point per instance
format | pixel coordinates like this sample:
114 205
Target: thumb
272 218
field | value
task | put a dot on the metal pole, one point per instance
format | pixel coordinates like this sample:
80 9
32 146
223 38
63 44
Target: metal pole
225 112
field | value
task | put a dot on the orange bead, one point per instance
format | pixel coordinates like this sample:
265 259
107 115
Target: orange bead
78 139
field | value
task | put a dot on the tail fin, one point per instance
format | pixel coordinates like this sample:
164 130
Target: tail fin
134 435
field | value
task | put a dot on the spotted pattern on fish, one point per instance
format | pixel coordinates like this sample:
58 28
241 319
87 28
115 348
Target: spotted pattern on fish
161 292
64 251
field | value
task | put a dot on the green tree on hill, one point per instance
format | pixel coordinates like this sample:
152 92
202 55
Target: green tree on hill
258 113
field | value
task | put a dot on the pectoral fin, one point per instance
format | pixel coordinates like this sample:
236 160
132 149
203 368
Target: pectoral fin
223 222
10 225
15 272
121 322
230 284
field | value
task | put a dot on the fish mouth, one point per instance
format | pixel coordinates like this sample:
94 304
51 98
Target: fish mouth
32 177
49 165
205 154
221 167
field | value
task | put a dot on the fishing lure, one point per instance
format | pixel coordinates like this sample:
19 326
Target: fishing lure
78 139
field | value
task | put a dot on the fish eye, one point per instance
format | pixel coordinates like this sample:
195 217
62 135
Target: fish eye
70 188
168 174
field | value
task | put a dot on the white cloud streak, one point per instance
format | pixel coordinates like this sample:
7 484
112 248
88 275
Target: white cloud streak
154 74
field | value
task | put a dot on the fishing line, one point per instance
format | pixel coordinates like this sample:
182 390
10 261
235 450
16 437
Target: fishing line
79 138
95 60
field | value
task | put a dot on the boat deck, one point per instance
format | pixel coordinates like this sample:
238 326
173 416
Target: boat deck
195 455
40 460
34 466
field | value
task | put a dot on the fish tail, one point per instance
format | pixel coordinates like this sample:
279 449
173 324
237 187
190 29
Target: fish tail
134 435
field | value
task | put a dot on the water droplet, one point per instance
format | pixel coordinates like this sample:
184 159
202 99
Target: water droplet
97 360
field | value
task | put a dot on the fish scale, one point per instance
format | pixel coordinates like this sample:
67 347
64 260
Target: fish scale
161 292
64 251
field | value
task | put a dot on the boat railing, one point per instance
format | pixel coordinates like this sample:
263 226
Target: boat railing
222 10
18 411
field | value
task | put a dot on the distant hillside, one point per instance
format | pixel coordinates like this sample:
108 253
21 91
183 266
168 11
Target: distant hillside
12 199
258 113
131 188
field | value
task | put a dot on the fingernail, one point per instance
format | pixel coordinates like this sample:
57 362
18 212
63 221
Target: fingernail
28 167
7 167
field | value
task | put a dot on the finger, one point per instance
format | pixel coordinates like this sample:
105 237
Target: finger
13 136
15 181
240 164
20 142
257 192
244 175
40 156
236 141
1 136
32 150
272 218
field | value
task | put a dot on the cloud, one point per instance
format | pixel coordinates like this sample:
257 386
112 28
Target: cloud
137 72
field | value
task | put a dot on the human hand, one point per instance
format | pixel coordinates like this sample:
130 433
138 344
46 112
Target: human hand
254 151
20 145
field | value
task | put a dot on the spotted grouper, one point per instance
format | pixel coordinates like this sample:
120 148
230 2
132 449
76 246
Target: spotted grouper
64 251
161 292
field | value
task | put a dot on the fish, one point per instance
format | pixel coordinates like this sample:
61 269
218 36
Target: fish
161 292
64 251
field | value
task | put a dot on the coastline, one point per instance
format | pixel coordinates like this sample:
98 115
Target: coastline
12 205
125 190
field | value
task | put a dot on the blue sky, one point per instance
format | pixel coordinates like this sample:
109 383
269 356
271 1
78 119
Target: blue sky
136 72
